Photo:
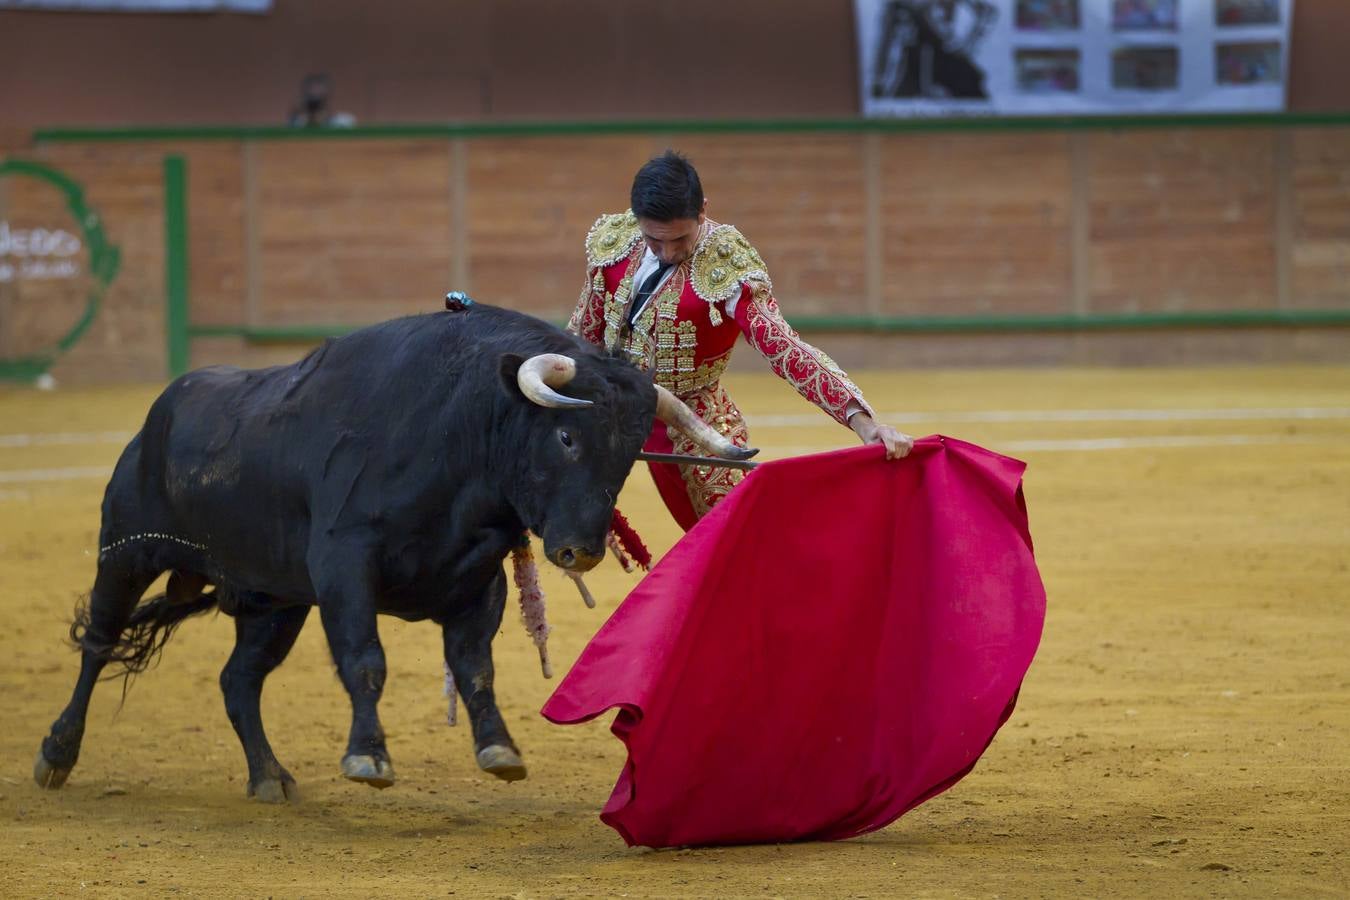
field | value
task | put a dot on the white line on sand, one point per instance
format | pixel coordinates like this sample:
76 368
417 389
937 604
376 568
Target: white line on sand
1079 445
65 438
72 473
1209 414
1165 441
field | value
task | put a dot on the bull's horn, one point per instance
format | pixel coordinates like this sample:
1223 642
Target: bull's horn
539 375
670 410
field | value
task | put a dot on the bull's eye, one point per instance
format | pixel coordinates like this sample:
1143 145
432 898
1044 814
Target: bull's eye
565 438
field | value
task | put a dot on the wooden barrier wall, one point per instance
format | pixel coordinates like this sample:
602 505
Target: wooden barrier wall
1083 222
126 341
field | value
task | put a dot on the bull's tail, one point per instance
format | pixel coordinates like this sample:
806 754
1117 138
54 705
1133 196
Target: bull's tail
141 642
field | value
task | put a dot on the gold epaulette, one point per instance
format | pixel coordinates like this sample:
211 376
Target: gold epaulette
722 261
610 239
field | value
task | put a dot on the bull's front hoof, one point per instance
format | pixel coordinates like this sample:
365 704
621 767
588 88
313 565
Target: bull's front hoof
275 790
47 775
502 761
378 773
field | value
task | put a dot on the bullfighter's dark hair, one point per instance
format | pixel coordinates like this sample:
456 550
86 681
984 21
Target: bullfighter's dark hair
667 188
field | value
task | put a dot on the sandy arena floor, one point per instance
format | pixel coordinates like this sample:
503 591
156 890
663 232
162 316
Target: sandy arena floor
1183 731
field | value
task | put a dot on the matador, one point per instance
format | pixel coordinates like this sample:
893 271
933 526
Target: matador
672 290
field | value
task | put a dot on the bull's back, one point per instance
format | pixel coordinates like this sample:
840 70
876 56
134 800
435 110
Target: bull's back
219 430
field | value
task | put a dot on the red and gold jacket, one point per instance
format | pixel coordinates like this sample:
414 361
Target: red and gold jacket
685 336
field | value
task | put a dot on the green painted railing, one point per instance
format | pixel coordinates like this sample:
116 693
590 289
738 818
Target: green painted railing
908 324
692 126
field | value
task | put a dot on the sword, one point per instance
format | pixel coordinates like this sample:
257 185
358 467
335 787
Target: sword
685 459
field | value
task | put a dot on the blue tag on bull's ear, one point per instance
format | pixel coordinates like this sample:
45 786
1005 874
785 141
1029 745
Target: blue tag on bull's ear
458 301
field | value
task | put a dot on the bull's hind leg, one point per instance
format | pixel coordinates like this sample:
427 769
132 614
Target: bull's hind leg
468 652
117 588
261 642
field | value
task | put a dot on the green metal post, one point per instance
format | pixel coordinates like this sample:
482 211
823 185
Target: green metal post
176 263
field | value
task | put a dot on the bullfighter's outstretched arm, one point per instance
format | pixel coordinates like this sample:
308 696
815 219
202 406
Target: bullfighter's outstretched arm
815 376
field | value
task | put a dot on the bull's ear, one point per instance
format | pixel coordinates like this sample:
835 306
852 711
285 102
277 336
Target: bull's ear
508 369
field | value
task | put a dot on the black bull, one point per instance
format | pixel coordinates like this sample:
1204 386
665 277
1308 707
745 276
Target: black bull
389 471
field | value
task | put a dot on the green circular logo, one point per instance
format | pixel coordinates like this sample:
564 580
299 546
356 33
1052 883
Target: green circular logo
43 255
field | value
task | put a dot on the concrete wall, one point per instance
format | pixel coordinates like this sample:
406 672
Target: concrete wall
438 60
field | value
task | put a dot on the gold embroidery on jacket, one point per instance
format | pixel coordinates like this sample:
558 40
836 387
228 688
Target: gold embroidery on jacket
657 338
610 239
616 307
722 261
709 484
588 319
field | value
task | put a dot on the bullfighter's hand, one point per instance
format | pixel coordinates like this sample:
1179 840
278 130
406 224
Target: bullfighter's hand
897 443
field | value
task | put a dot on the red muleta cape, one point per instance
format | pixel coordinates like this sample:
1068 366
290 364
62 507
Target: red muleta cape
833 644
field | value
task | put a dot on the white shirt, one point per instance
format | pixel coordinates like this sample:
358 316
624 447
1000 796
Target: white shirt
647 266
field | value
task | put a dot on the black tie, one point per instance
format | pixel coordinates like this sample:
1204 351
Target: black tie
645 291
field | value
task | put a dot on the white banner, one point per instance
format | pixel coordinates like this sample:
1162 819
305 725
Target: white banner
1038 57
158 6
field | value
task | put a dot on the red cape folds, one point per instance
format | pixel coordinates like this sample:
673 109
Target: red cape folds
836 642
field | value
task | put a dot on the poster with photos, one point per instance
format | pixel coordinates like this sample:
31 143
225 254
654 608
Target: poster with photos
1071 57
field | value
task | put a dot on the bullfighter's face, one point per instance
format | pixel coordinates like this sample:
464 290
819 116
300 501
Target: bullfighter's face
673 242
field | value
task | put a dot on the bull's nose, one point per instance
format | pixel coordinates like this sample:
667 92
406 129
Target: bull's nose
576 559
